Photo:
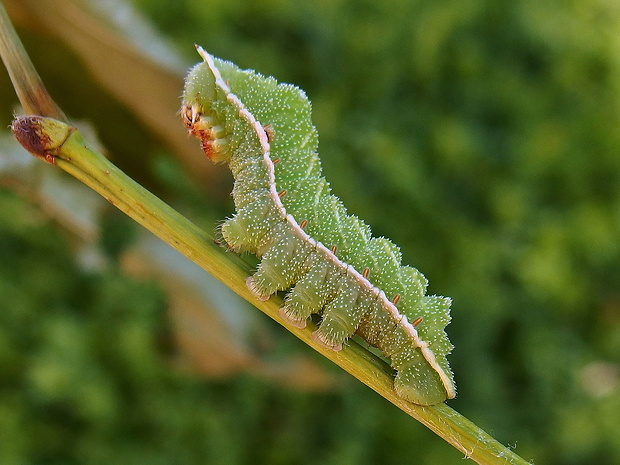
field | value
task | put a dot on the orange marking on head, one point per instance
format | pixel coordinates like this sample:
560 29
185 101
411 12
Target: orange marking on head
303 224
396 299
417 321
201 128
207 147
333 248
366 272
275 161
282 193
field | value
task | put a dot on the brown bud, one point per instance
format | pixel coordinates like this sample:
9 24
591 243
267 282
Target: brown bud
41 136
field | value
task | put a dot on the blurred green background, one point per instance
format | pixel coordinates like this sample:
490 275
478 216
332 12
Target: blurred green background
483 137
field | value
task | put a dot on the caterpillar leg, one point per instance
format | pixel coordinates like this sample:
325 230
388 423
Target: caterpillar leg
308 296
245 230
280 267
341 317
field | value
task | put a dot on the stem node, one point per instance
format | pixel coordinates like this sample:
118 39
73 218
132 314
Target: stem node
42 137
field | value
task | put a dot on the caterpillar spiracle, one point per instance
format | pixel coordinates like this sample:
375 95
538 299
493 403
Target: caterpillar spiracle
307 242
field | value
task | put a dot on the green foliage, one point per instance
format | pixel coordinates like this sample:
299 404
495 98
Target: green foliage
482 138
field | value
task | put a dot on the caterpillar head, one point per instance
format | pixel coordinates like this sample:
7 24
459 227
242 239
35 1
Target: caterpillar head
199 113
212 136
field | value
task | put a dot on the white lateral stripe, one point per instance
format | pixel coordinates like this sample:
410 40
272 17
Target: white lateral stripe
400 319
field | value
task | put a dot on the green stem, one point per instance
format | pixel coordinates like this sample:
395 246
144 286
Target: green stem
62 145
26 81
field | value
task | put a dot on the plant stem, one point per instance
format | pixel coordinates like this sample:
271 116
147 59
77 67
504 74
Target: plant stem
62 145
28 85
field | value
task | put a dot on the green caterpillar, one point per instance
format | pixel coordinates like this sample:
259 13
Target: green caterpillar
306 240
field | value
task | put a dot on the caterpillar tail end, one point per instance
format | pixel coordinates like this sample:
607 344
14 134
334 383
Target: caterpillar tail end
421 385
